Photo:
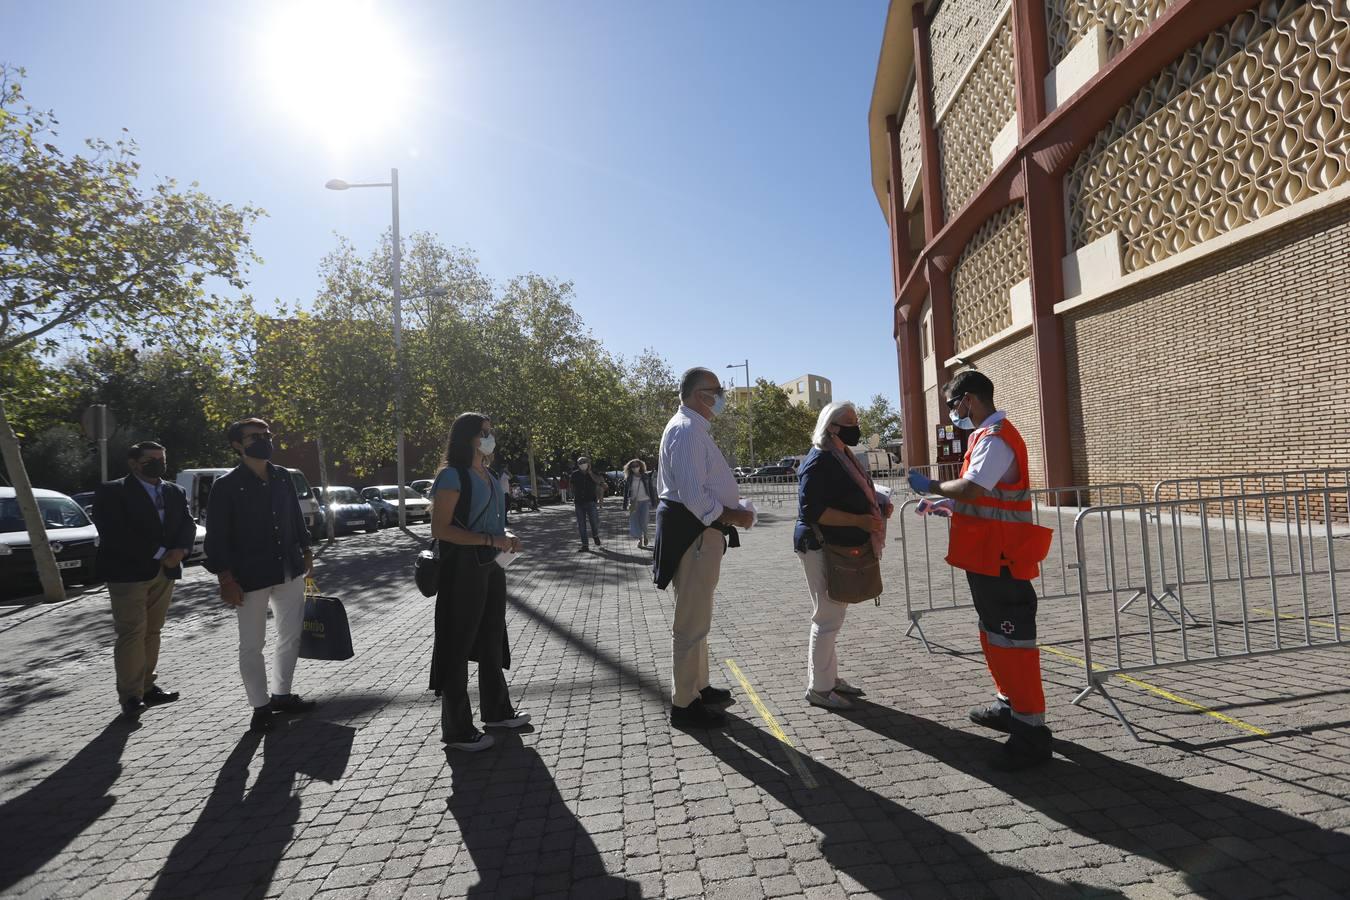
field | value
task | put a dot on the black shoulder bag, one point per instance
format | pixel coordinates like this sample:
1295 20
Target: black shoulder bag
427 567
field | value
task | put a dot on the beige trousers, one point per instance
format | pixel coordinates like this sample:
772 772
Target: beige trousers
138 609
694 582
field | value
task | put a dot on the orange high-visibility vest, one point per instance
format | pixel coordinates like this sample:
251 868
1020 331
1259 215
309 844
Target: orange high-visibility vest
997 530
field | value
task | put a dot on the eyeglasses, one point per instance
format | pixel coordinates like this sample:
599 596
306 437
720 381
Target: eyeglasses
721 392
955 401
256 435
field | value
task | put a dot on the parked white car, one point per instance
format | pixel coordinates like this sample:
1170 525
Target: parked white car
72 535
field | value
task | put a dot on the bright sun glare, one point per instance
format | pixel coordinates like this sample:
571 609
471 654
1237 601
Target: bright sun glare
336 69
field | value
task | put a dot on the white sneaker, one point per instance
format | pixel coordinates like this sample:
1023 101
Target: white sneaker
477 742
828 701
514 722
843 687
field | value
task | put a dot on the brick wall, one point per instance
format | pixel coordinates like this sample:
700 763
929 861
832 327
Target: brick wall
1012 368
1234 363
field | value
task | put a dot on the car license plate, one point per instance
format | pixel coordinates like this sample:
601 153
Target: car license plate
68 564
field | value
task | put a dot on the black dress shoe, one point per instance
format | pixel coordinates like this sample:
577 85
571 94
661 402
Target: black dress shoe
997 716
1028 746
291 703
261 723
696 715
158 697
132 707
715 696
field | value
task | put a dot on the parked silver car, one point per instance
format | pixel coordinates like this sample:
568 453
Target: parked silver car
384 499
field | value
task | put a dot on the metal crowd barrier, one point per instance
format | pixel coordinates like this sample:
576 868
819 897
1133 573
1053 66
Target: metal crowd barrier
1251 592
931 585
783 488
1259 487
769 489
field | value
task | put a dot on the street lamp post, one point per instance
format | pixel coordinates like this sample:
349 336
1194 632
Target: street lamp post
749 407
396 276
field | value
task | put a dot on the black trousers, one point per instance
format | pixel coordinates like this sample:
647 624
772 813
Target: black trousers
477 623
1006 605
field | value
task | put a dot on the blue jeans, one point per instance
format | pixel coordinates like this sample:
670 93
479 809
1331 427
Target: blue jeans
588 511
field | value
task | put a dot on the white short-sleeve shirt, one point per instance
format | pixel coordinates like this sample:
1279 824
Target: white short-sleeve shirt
992 460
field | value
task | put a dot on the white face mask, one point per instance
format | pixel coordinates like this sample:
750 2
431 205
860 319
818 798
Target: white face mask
962 422
487 445
585 467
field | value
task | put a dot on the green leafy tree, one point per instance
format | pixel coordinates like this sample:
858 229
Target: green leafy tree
781 427
654 389
329 381
89 250
880 418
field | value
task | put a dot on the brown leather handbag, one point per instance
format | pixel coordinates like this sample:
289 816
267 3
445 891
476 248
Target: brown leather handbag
853 574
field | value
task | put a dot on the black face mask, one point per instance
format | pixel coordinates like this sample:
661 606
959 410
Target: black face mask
152 468
850 435
259 449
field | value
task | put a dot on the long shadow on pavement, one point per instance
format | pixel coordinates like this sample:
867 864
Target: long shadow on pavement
522 837
41 822
875 841
240 835
1205 835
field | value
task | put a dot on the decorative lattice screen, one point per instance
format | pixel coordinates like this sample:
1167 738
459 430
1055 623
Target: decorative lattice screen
1249 121
993 261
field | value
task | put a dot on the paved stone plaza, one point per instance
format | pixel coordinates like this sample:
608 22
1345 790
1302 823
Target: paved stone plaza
602 799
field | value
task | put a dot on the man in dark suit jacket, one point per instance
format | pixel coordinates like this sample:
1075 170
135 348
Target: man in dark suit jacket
145 531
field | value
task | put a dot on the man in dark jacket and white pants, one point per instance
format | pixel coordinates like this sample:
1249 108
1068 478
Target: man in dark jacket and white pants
258 547
144 531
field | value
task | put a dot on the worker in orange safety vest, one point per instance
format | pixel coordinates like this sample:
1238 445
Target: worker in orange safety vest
994 538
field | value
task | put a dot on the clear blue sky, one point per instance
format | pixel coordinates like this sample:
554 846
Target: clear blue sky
698 169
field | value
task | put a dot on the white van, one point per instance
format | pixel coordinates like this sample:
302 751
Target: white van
876 461
197 483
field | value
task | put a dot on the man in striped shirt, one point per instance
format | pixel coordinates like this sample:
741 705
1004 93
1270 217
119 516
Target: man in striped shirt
695 522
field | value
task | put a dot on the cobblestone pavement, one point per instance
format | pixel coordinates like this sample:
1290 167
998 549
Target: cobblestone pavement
602 799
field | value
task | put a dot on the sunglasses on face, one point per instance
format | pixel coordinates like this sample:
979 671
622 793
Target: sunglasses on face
955 401
256 435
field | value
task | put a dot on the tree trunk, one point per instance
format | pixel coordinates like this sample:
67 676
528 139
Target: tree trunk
529 456
326 507
52 588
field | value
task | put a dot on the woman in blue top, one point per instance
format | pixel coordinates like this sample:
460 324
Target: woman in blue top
471 602
836 500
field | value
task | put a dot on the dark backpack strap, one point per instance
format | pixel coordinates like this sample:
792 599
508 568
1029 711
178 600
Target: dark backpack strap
465 497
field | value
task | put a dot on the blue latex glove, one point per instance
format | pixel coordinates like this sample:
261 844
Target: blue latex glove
919 482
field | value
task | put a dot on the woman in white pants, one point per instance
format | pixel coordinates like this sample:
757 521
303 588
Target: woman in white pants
836 504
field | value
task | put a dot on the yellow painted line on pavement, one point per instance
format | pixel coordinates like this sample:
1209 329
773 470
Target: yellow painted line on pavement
1318 622
1167 695
774 728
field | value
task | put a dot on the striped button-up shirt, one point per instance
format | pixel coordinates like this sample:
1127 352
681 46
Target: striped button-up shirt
692 470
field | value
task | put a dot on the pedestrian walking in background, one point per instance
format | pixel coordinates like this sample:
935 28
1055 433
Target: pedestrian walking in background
257 546
468 517
145 531
587 489
639 496
836 504
695 523
995 540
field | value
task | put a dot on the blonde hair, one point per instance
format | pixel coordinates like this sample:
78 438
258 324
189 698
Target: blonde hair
827 417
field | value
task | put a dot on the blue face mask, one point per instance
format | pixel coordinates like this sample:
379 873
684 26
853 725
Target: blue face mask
962 422
719 404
